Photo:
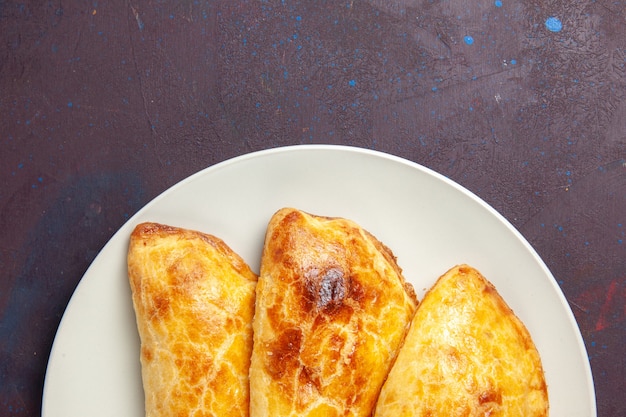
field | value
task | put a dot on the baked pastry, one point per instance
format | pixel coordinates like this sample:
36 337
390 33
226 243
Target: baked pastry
466 354
332 310
194 301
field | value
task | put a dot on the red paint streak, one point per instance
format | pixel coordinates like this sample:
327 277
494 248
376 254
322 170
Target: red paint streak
608 302
603 322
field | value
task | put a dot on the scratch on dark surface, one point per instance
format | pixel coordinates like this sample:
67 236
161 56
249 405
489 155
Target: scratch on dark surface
76 44
144 100
140 24
579 307
484 81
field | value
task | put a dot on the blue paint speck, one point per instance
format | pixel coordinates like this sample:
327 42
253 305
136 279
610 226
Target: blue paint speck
70 104
434 89
554 24
352 83
498 3
298 18
468 40
513 62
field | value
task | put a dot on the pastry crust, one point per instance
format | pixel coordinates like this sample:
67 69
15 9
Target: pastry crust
466 354
332 310
194 301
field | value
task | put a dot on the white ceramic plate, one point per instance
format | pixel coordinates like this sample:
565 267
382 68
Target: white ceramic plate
429 222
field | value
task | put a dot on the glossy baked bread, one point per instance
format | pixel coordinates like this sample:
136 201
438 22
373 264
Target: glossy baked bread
466 354
332 310
194 302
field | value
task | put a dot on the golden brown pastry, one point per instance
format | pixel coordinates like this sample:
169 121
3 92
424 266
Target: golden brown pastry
332 310
194 302
466 354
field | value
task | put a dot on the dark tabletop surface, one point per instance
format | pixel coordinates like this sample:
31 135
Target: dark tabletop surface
104 105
